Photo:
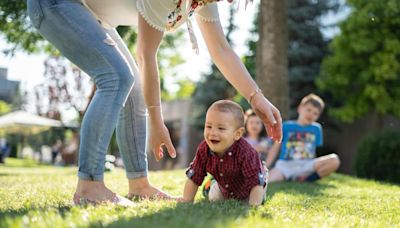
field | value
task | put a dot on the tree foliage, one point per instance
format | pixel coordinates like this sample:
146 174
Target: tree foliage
64 88
16 29
18 32
378 157
363 72
168 61
4 108
306 48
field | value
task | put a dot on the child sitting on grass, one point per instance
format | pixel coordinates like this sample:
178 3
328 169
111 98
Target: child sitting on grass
226 155
298 150
255 134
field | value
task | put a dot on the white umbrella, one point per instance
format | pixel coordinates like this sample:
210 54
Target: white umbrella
21 122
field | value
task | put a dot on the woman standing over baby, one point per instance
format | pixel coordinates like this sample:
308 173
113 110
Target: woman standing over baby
127 94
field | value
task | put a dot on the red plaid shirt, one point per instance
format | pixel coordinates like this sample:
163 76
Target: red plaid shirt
237 171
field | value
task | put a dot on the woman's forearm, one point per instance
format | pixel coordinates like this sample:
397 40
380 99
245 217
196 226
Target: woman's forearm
151 82
151 88
226 59
149 40
234 70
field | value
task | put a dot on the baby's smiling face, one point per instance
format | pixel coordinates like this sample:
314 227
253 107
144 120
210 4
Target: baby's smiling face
221 130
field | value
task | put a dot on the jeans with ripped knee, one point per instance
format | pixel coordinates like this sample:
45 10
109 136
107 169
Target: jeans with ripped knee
118 102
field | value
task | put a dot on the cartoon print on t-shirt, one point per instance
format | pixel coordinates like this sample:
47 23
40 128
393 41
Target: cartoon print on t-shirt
300 145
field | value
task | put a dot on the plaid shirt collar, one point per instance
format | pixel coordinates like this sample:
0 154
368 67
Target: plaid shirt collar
232 149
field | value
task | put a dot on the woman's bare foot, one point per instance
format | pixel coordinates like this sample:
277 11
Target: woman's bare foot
140 187
95 192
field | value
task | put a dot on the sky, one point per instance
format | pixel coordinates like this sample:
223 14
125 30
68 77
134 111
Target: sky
29 68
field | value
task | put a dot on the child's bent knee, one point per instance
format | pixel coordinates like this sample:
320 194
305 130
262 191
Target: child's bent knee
334 160
215 193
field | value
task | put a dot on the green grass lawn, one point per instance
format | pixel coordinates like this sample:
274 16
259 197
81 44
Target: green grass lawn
40 196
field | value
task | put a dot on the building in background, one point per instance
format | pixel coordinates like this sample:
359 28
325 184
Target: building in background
9 90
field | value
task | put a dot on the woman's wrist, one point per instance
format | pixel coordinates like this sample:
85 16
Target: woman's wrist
256 100
155 112
255 95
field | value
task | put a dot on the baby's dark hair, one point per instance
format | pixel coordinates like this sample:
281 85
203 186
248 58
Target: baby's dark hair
231 107
314 100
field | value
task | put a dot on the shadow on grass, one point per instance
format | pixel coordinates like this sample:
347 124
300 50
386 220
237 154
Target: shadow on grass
349 179
37 171
309 189
48 174
12 214
201 214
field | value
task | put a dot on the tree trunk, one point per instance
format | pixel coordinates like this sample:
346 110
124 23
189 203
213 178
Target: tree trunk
271 56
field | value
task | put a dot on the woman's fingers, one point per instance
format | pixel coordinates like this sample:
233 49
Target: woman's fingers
159 152
278 126
275 130
156 152
269 129
170 149
272 119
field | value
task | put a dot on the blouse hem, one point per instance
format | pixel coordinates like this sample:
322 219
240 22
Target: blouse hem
207 19
141 12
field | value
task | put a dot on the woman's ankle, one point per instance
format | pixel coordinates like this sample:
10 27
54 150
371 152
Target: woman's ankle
93 189
141 186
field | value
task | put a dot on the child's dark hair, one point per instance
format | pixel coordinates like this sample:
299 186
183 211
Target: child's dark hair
314 100
231 107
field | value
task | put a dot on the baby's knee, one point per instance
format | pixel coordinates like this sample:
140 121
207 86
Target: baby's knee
215 193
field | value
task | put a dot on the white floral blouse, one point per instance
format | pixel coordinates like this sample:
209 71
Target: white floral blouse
163 15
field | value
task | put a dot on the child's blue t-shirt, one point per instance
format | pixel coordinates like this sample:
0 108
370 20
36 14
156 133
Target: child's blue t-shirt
300 142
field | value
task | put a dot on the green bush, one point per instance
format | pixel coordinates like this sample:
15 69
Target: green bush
378 157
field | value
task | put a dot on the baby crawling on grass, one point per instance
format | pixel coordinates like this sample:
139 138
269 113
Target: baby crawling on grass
237 170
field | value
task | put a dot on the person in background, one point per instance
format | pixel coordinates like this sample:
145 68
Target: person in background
56 150
301 137
255 134
4 150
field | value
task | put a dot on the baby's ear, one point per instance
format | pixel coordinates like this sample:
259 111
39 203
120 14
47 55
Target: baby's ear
239 133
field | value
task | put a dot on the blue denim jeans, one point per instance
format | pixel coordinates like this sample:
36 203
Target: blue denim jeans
118 102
